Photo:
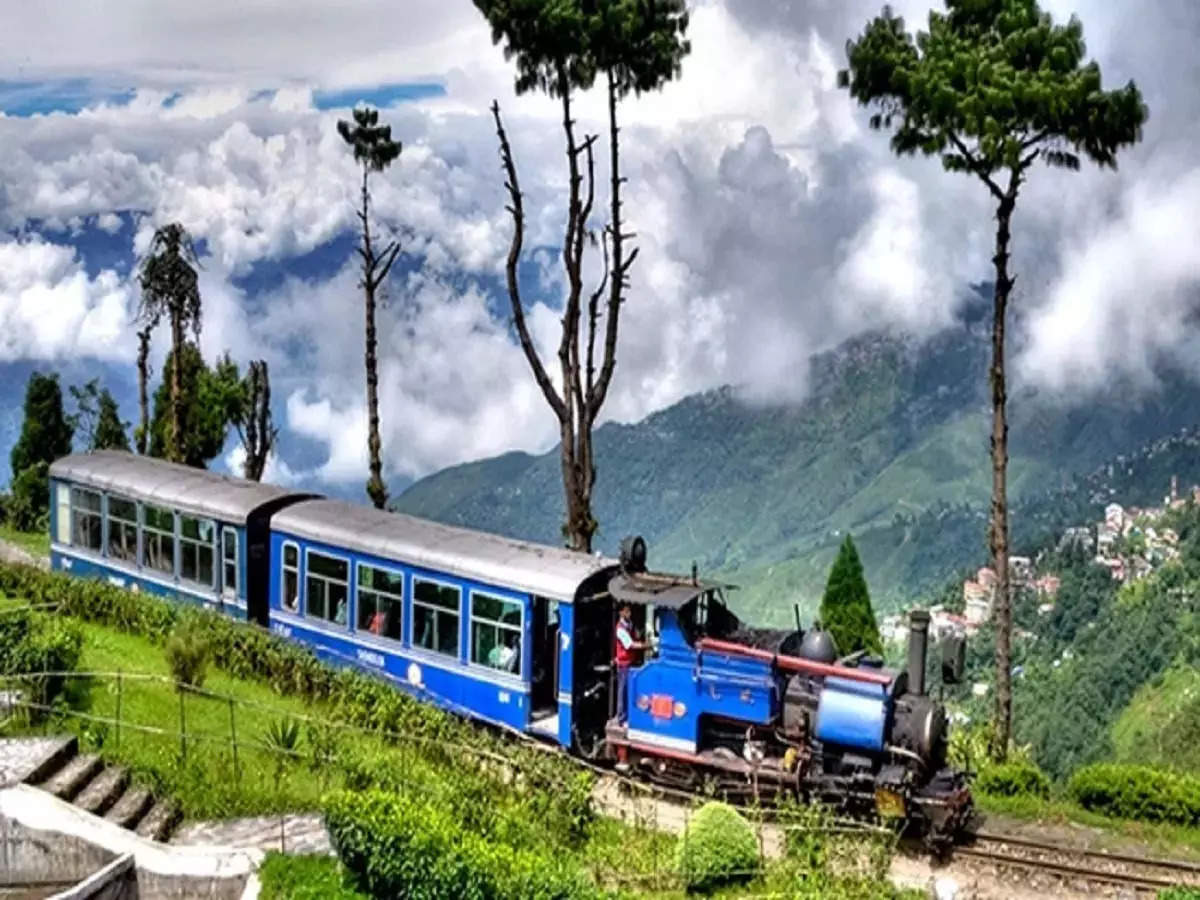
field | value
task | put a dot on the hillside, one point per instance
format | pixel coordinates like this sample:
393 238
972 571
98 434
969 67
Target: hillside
890 443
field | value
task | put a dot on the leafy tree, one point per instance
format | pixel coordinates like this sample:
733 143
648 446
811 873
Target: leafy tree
253 420
991 88
374 150
846 606
212 401
46 432
170 288
97 418
45 436
560 46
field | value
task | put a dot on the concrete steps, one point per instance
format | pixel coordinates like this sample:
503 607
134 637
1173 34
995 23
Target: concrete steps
85 781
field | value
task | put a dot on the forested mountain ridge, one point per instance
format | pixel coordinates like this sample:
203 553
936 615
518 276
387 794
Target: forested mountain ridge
890 443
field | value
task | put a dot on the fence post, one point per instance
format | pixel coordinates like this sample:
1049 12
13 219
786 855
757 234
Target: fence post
182 726
119 688
233 741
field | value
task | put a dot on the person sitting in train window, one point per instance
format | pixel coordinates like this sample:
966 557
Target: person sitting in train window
339 617
504 656
376 626
626 646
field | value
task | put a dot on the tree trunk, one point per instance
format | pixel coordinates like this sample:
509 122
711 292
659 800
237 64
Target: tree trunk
143 367
998 532
259 437
175 451
376 489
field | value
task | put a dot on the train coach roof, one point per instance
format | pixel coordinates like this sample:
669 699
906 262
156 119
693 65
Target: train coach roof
196 491
476 555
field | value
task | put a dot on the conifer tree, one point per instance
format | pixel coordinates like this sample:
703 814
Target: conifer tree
846 607
45 436
993 87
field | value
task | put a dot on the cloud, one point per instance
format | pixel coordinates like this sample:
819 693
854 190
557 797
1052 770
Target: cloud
50 309
771 222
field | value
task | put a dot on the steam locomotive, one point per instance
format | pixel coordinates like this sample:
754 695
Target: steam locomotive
520 635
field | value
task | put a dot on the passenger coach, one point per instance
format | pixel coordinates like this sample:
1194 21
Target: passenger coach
147 524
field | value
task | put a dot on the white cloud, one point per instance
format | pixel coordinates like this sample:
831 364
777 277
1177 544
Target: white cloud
771 222
51 309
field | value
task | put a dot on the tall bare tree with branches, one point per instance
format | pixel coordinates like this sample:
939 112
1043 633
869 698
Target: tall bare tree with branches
252 418
560 48
374 150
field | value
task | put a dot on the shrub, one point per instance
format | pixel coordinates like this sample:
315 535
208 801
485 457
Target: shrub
1013 779
31 645
402 845
1179 893
304 877
1137 792
189 648
717 847
30 504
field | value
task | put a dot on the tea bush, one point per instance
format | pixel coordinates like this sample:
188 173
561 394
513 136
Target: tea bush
39 649
1137 792
1013 779
717 847
403 845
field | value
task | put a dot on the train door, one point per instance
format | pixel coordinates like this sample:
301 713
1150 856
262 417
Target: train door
258 557
544 687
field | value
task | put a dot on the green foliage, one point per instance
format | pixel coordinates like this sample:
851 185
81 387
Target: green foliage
991 87
45 431
401 845
211 400
1013 779
372 143
846 607
29 506
1137 792
718 847
1179 893
39 648
1161 725
188 649
286 876
45 436
97 419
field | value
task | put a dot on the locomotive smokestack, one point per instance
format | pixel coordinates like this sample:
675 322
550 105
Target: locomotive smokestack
918 646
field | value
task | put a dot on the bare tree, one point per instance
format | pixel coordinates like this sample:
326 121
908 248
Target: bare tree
374 150
559 49
253 420
142 435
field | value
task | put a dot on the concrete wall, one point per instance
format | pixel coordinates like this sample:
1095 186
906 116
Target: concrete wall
53 840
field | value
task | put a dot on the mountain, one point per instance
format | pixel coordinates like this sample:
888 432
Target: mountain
891 444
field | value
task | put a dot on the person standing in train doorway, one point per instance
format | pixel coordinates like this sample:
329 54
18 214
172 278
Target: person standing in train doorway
625 648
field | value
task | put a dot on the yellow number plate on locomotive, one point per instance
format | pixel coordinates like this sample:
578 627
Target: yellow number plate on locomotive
889 804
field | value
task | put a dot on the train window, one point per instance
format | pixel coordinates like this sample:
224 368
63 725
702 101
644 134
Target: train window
63 521
291 577
380 602
229 562
86 531
158 539
326 587
196 551
435 617
496 632
122 529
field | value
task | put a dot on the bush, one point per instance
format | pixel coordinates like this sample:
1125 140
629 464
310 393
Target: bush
32 643
1013 779
189 648
402 845
30 504
717 847
1137 792
1179 893
305 877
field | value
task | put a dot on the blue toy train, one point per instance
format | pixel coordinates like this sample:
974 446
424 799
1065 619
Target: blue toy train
520 635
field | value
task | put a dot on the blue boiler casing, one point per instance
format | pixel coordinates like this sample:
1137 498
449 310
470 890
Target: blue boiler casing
852 714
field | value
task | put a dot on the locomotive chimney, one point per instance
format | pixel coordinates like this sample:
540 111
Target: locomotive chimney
918 645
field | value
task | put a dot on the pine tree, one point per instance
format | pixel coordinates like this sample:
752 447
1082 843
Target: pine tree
45 436
993 87
111 432
211 402
846 607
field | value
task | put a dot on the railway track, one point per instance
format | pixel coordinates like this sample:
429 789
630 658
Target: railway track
1092 866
